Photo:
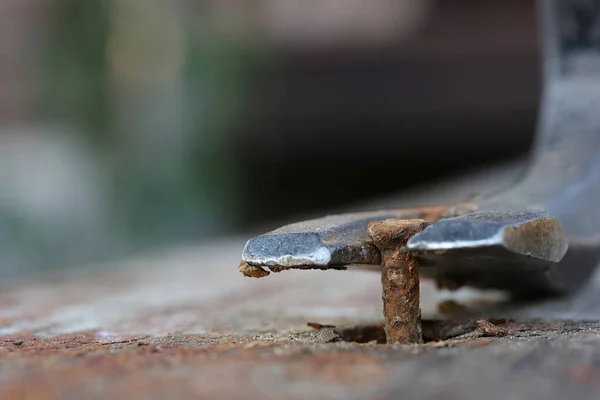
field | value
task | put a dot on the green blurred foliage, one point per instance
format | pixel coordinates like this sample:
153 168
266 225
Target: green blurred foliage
155 197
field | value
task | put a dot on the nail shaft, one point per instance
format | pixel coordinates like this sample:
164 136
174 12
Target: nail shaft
399 278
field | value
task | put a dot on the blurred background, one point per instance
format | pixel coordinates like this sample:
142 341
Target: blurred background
128 125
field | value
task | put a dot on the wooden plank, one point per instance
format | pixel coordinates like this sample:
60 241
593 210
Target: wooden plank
185 323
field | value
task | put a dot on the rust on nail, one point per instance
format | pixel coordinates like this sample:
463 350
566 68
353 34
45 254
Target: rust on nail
399 279
252 271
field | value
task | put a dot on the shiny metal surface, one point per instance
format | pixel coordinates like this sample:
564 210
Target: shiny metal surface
516 239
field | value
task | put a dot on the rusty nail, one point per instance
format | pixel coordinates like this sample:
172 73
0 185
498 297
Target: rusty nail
399 278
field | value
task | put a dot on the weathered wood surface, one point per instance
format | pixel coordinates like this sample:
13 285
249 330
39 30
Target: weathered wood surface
185 323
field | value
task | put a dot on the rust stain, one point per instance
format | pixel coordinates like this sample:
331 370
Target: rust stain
435 213
80 366
70 367
481 342
252 271
355 369
584 374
